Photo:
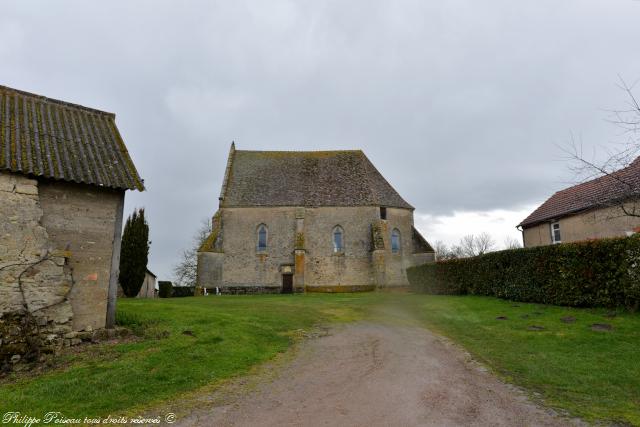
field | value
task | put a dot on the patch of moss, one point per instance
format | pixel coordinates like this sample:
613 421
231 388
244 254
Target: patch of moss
125 154
211 243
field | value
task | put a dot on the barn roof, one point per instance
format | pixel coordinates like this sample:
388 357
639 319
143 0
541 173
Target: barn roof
602 191
305 178
48 138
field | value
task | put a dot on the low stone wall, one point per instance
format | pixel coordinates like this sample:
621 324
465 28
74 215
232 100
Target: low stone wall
246 290
341 288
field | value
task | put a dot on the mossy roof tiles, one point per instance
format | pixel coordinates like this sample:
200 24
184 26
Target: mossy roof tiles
54 139
306 178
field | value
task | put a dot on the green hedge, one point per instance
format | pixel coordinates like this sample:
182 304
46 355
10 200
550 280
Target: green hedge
598 273
183 291
165 289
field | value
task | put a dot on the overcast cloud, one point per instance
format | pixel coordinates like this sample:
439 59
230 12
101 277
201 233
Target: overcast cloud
460 104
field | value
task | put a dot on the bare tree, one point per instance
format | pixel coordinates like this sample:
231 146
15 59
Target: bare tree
186 270
620 184
468 245
485 243
441 249
512 243
472 245
444 252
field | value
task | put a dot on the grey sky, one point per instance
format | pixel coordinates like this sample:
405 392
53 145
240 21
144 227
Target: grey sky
460 104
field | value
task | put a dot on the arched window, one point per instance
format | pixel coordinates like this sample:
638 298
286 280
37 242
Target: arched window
395 241
262 238
338 239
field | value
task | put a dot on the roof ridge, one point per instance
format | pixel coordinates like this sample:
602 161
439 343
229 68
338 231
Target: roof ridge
372 168
227 172
55 101
367 166
301 151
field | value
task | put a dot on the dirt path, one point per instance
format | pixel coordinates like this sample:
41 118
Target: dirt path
378 374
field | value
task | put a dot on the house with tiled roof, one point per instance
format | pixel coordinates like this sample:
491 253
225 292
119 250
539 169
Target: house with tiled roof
603 207
64 170
293 221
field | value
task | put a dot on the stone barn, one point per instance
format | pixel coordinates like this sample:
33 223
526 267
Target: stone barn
64 170
324 221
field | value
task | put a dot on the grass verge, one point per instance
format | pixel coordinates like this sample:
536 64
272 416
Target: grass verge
592 374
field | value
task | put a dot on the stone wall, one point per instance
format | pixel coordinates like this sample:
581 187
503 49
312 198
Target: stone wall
80 220
302 239
397 264
243 265
34 278
352 267
210 269
594 224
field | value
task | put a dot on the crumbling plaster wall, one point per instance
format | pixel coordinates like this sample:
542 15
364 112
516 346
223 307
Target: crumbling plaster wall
81 220
34 280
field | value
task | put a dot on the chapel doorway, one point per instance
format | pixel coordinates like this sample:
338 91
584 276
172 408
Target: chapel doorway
287 283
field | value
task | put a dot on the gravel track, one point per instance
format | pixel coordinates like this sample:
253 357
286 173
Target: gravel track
378 374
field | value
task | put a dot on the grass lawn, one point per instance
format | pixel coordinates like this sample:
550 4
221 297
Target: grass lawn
595 375
230 335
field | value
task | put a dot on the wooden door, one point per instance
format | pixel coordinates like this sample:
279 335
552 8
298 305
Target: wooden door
287 283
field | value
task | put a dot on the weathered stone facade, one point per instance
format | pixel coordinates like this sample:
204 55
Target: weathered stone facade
81 220
34 277
313 262
56 249
300 239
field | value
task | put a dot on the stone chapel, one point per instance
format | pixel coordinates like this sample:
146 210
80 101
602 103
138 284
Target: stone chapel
314 221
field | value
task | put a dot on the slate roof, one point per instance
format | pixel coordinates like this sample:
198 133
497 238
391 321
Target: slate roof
602 191
305 178
420 244
48 138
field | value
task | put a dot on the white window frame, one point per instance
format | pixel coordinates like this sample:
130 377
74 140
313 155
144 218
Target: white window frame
553 234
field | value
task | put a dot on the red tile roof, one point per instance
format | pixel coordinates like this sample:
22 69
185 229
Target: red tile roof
605 190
